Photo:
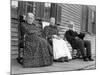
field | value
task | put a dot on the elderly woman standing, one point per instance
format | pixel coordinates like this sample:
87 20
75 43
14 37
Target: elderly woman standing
60 49
37 51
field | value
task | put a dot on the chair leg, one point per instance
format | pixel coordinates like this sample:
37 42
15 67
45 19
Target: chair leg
79 53
73 55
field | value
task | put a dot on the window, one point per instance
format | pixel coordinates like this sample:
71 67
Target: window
47 11
94 22
41 10
56 12
29 7
14 8
88 19
84 23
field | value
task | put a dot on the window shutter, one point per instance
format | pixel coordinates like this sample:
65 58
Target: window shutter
21 7
56 12
58 17
53 10
39 10
84 18
42 10
94 23
90 21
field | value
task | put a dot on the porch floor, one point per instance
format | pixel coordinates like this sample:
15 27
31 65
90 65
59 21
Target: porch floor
73 65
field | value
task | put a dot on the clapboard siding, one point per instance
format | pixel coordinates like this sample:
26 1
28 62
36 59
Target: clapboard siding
14 38
15 50
14 35
64 19
14 25
74 12
70 12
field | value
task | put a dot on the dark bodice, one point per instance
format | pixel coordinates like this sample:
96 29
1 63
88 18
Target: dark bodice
31 29
31 32
50 30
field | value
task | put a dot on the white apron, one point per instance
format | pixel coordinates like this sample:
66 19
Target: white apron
60 49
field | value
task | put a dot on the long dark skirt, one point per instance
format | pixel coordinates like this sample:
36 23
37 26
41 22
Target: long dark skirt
37 52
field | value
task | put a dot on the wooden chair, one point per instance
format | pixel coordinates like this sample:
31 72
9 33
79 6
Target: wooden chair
21 43
75 52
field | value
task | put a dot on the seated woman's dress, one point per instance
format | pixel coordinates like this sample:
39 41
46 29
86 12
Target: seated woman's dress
37 51
60 48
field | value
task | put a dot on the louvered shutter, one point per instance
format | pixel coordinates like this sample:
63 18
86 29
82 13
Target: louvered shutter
58 15
84 24
53 10
22 7
90 20
30 7
39 10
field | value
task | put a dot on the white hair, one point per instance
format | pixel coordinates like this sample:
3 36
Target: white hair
30 14
52 18
73 24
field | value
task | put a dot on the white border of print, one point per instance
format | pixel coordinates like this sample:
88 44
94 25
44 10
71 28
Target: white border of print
5 37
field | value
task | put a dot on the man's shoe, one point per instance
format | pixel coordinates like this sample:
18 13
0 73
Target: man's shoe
90 59
59 60
85 59
66 59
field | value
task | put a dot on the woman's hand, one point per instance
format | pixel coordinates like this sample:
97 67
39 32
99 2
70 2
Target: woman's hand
77 38
57 37
54 36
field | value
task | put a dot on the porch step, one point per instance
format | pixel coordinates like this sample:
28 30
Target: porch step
14 56
14 30
14 39
14 25
14 43
14 34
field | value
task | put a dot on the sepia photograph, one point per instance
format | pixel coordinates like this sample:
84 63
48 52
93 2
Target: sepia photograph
52 37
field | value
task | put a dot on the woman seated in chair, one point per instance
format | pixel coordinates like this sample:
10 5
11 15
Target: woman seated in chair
37 51
60 49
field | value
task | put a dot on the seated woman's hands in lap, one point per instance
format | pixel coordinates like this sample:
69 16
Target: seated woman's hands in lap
56 36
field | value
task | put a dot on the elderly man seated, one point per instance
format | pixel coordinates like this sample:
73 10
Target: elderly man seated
77 42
